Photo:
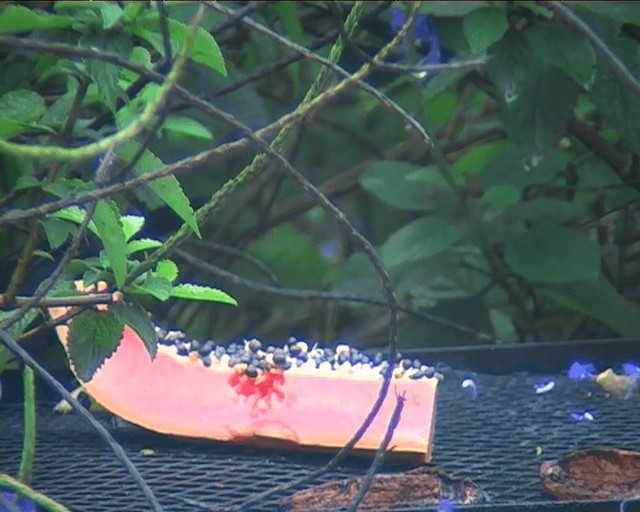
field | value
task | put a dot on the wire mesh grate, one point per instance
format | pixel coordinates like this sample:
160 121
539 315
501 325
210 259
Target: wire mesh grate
495 440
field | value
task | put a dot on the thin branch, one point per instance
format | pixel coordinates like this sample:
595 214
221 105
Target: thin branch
377 461
243 255
240 13
93 299
461 65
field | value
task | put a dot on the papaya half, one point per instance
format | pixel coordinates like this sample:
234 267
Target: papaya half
293 396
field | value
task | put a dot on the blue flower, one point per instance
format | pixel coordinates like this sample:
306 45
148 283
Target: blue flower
581 416
446 505
425 36
579 371
631 370
21 504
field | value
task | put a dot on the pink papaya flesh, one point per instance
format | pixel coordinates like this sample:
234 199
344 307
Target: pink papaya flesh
306 407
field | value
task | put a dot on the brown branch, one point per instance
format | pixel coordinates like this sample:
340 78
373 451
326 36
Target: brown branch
590 137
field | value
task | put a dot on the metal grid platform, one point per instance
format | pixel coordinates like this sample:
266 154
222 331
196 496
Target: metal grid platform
491 439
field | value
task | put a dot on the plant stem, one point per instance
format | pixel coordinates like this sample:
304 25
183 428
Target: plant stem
25 472
24 490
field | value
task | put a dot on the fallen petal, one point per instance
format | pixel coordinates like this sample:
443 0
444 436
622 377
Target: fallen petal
631 370
579 371
544 386
470 383
580 416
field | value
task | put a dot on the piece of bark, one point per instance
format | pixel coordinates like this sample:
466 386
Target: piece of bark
593 474
422 486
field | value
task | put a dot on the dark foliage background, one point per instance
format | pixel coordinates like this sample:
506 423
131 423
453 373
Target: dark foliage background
519 223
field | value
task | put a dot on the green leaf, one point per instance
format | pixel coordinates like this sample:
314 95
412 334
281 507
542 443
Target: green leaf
600 300
107 220
167 269
64 187
449 8
168 189
154 285
485 26
57 231
622 12
195 292
187 126
21 325
503 326
536 100
595 173
358 277
477 157
138 319
111 14
547 253
420 240
141 56
542 209
619 107
501 196
43 254
16 18
103 74
93 337
75 214
58 112
290 253
565 49
512 167
396 183
205 50
131 224
17 109
142 244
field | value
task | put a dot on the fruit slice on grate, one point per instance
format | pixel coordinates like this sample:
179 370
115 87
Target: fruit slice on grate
300 406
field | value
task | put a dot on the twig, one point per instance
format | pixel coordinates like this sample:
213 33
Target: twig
380 454
71 301
25 471
243 255
461 65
